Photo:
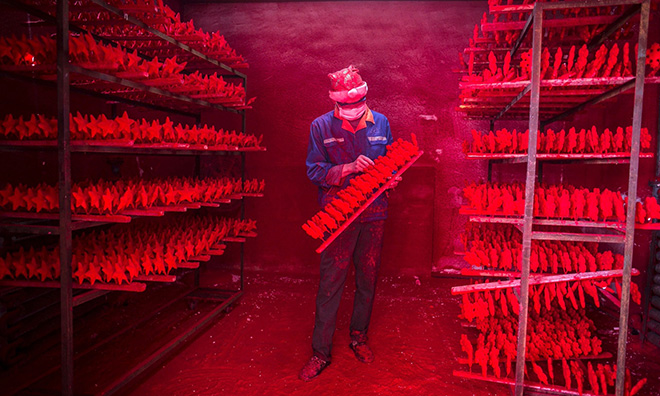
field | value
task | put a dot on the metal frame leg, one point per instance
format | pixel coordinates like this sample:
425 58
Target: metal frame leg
529 197
632 196
64 157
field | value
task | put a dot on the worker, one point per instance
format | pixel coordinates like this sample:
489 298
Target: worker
342 144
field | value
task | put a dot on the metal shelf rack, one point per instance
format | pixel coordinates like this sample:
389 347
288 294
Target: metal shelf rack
67 78
561 98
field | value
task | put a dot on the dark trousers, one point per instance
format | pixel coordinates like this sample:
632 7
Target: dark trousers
363 243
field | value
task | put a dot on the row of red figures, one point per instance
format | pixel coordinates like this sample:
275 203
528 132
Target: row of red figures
160 17
105 197
119 254
484 304
88 127
553 335
214 45
85 51
546 257
583 32
605 62
601 379
211 88
586 141
499 247
557 202
361 188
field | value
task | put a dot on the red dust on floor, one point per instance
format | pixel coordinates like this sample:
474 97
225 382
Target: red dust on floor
260 346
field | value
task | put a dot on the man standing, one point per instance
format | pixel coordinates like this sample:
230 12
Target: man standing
343 143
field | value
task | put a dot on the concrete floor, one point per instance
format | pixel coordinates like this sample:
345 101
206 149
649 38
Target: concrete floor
259 347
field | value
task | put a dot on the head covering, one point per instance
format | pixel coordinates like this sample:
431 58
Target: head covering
346 85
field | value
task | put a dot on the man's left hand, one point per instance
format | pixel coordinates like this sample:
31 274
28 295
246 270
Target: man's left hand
397 179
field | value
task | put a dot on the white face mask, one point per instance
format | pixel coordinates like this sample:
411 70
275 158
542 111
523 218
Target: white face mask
353 112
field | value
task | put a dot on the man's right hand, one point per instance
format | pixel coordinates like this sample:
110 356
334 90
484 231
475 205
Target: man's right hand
360 164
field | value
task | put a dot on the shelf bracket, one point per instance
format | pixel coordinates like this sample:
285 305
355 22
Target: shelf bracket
523 33
513 102
598 40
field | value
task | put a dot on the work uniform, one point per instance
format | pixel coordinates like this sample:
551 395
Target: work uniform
333 142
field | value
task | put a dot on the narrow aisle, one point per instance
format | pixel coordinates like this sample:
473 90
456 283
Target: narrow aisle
260 346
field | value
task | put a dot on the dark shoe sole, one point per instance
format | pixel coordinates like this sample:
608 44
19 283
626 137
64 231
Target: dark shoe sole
361 360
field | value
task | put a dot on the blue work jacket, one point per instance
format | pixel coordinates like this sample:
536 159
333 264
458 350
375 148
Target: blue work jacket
332 144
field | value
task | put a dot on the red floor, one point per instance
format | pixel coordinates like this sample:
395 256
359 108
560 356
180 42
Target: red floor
259 347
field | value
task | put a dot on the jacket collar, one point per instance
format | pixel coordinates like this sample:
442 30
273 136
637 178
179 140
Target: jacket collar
345 124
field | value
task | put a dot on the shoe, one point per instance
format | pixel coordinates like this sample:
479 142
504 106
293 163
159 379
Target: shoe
362 351
313 368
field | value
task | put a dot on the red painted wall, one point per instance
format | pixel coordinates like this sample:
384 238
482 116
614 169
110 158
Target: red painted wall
406 51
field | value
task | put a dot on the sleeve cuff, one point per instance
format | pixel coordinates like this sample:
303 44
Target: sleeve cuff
333 177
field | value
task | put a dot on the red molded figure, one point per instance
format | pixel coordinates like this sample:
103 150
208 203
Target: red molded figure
581 64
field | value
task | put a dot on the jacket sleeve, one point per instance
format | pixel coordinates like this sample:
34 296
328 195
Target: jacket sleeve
388 133
319 170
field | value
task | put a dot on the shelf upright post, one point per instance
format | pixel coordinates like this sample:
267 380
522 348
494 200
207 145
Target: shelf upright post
64 157
243 129
632 197
537 15
198 174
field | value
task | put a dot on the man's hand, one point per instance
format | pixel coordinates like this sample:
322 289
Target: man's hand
360 164
397 179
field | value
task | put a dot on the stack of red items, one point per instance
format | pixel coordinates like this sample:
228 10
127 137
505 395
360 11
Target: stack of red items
121 253
562 142
105 197
494 247
88 127
552 335
361 188
557 202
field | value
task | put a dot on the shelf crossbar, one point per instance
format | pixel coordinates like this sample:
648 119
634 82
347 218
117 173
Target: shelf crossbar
562 5
577 237
539 279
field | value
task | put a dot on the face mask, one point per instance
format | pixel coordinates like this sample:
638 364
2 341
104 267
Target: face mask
353 112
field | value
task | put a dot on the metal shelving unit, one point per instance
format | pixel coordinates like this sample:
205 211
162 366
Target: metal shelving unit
543 102
105 86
